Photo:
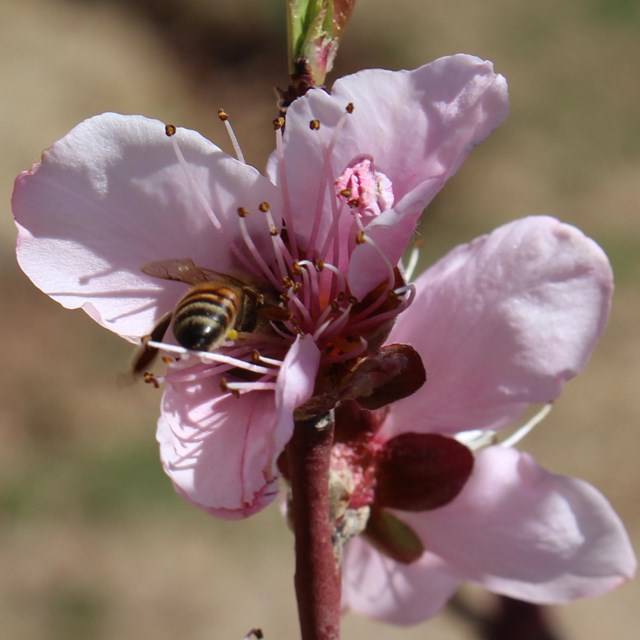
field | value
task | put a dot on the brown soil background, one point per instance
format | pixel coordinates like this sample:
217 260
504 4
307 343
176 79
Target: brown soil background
93 541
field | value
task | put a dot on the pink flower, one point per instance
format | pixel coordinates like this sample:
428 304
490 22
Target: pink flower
499 323
116 205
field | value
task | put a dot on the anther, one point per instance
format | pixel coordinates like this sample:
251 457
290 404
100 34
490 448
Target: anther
318 264
278 123
335 305
287 282
223 115
361 238
243 212
170 130
255 356
168 359
314 124
297 286
353 300
224 387
274 231
149 378
346 193
264 207
284 298
350 107
296 268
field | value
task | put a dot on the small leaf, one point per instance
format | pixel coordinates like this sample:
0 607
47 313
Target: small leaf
392 537
421 471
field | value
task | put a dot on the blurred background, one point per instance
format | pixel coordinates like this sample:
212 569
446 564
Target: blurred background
93 541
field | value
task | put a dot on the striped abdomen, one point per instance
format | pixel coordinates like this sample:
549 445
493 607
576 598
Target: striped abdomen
205 315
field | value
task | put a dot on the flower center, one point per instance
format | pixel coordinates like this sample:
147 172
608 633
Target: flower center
302 289
363 188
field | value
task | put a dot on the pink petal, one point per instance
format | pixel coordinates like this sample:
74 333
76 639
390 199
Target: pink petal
500 323
110 197
521 531
214 448
379 588
417 126
221 452
390 232
295 385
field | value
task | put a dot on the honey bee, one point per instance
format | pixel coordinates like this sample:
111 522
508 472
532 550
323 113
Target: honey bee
217 307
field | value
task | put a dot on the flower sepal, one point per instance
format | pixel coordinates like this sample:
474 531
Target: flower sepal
395 372
421 471
392 537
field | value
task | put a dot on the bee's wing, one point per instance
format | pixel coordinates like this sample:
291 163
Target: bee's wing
185 270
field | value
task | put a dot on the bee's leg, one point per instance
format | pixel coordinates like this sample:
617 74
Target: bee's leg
145 354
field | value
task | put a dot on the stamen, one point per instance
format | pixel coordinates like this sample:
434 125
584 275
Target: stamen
171 348
238 387
207 207
292 326
476 439
301 308
248 240
325 323
314 124
383 295
338 324
286 200
311 286
225 388
258 358
414 256
339 280
279 247
327 181
348 355
334 232
526 428
195 373
224 116
211 356
361 325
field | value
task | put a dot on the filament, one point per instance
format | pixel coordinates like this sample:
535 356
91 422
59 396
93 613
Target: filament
526 428
231 133
286 199
207 207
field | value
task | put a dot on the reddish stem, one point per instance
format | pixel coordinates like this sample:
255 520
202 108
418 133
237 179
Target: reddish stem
317 578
